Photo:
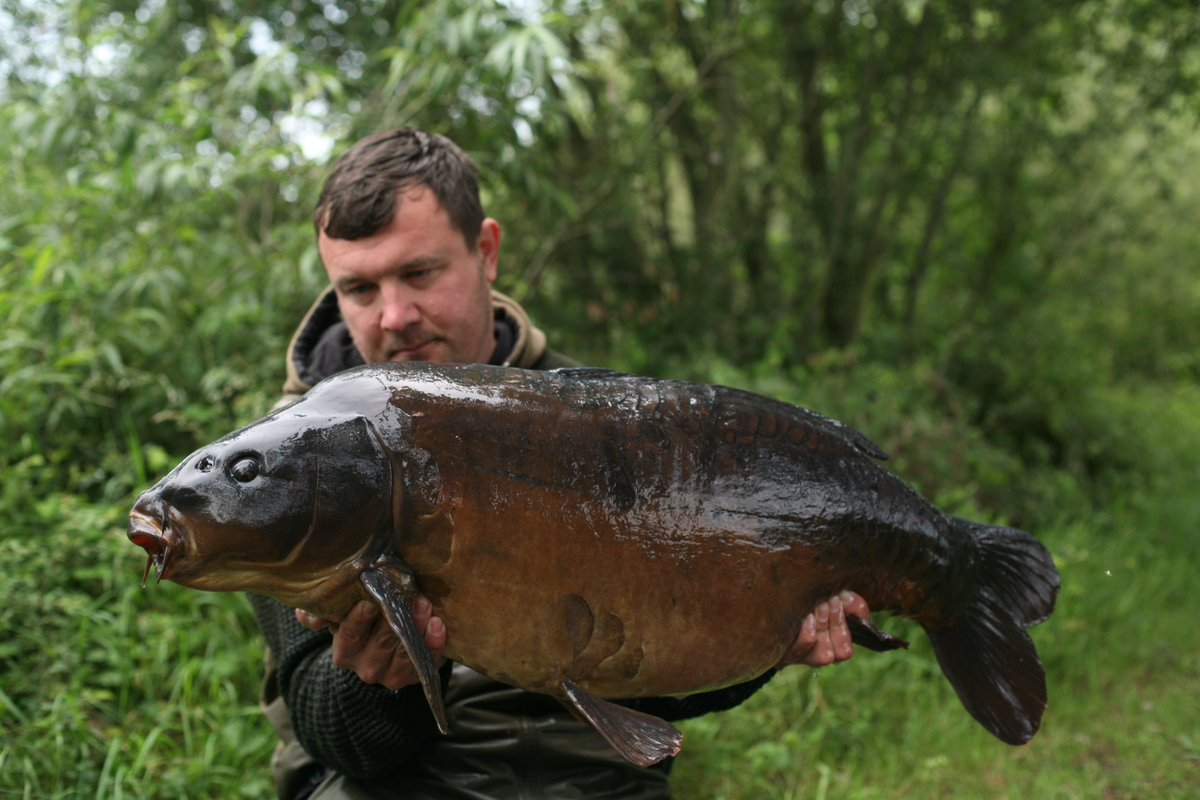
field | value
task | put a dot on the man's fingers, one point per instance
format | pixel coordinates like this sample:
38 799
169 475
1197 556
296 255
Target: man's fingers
353 635
358 625
806 640
401 671
841 645
386 662
366 644
377 657
431 627
422 611
824 636
310 621
821 653
853 603
435 636
808 634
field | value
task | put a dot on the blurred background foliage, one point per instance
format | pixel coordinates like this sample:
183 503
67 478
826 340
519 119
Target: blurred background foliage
968 228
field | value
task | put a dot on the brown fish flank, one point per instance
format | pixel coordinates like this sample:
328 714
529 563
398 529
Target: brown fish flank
593 535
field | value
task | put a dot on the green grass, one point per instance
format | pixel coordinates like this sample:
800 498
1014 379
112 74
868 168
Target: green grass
111 691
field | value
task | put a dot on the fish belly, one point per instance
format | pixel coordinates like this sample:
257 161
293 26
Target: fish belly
625 612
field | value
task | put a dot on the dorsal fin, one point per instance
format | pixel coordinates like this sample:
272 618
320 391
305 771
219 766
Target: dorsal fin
856 438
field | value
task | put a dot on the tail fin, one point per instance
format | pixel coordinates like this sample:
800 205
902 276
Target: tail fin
988 657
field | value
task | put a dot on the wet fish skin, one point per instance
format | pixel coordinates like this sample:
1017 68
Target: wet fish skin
590 534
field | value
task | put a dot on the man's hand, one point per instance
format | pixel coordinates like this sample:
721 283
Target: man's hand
824 637
365 643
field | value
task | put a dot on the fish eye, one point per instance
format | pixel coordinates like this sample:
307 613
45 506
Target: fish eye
206 464
245 469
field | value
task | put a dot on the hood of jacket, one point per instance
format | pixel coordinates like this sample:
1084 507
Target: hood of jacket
322 345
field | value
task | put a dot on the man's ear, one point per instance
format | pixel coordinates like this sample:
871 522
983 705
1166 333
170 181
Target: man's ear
488 247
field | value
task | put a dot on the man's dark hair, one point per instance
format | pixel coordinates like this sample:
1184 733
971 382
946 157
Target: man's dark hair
362 193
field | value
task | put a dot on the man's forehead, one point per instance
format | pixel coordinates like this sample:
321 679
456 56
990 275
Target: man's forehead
418 231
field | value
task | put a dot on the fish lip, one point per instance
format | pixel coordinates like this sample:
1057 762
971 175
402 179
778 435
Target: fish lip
159 539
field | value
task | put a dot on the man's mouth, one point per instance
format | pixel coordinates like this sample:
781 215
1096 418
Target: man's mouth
412 352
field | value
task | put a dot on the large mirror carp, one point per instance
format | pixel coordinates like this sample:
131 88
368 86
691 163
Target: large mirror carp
592 535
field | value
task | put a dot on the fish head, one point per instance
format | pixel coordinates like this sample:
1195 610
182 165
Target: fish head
274 507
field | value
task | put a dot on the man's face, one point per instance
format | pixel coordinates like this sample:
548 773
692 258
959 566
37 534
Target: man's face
413 291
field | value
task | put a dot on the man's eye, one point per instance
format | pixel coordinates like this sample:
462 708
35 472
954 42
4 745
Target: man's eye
361 288
427 273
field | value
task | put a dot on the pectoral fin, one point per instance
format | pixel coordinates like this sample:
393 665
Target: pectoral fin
867 635
641 738
393 589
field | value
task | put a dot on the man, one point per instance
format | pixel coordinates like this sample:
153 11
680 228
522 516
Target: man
411 259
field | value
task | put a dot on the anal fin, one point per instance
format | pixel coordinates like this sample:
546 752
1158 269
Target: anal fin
392 587
642 739
867 635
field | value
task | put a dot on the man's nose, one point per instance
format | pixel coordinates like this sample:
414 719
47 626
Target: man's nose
399 308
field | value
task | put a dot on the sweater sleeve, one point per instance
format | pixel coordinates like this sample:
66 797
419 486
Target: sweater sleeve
361 730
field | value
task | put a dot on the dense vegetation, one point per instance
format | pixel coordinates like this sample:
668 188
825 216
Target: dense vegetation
967 228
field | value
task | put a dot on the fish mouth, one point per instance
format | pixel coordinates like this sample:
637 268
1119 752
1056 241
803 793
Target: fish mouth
158 539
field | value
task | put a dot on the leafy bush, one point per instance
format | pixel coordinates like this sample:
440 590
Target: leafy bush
1003 268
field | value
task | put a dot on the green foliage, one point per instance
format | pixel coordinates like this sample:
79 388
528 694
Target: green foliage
149 270
964 228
